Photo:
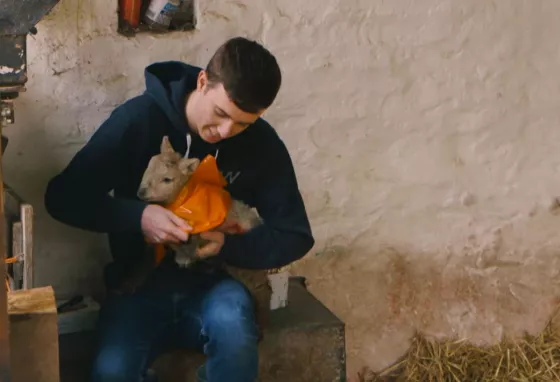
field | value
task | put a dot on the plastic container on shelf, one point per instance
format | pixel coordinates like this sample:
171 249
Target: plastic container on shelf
160 13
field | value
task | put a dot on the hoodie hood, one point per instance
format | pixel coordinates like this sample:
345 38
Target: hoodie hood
168 84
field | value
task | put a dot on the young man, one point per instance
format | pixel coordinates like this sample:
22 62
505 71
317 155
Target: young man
214 111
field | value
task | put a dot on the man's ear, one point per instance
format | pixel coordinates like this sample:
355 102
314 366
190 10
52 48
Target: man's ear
202 80
166 146
188 165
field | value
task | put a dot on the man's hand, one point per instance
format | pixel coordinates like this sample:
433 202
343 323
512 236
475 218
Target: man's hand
163 226
230 225
216 241
216 238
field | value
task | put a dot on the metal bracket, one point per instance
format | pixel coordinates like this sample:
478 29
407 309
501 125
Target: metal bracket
6 112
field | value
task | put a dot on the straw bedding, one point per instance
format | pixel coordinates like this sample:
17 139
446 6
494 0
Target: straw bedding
532 358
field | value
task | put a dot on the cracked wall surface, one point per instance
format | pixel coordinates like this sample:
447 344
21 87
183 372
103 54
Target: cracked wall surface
424 134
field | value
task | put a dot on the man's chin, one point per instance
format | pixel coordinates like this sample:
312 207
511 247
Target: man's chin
210 139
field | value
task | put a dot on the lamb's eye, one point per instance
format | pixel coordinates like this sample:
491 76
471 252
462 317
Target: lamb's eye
167 180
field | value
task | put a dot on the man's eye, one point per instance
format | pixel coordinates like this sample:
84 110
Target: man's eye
167 180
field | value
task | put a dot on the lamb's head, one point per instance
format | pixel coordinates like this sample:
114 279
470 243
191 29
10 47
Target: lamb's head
166 174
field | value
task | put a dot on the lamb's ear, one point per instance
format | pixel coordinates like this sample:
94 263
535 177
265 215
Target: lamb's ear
188 165
166 146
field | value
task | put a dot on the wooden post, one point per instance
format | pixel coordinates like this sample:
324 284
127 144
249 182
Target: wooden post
5 374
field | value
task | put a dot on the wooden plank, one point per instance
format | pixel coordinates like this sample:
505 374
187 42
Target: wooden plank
27 225
17 250
5 373
31 301
34 335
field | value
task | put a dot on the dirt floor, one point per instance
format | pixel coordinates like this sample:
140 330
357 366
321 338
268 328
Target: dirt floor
481 295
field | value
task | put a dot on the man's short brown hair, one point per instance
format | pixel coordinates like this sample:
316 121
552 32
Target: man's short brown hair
249 73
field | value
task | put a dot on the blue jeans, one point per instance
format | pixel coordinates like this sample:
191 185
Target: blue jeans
219 321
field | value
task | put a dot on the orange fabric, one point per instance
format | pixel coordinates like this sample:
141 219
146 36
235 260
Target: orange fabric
203 203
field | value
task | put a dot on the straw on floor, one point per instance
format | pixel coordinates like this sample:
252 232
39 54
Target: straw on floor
533 358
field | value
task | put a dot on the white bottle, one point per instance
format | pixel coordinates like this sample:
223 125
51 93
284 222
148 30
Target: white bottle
160 12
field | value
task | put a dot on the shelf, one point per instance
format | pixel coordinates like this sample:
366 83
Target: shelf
183 20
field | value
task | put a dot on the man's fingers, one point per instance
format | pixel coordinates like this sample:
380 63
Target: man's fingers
177 235
230 226
177 229
216 240
212 236
179 222
209 249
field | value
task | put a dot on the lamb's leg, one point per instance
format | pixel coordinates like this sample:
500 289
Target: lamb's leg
243 215
185 253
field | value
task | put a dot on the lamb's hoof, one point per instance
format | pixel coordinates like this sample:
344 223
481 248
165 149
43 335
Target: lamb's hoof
183 262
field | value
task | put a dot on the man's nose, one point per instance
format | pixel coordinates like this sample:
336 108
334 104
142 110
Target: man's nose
225 129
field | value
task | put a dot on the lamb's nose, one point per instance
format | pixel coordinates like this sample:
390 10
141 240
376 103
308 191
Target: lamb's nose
142 193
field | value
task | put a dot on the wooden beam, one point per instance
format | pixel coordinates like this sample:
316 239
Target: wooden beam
33 335
5 373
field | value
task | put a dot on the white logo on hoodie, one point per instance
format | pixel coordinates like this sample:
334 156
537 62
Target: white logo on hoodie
231 176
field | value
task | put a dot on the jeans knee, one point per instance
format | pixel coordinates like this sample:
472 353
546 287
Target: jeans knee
231 305
228 315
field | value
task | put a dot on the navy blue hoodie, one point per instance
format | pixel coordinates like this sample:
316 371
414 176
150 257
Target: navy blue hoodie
256 164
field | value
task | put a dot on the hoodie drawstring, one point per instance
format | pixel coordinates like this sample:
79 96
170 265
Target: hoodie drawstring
189 141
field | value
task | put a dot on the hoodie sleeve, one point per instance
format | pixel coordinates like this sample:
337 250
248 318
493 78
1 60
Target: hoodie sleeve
79 195
286 234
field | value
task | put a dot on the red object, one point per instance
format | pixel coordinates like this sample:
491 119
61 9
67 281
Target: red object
130 11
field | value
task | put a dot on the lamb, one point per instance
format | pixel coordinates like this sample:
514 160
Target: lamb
166 175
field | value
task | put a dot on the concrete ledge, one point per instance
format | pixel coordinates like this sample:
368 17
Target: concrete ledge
305 342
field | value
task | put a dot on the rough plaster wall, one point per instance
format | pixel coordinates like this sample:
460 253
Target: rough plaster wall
424 135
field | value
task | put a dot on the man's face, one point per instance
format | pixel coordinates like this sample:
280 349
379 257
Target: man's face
214 115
